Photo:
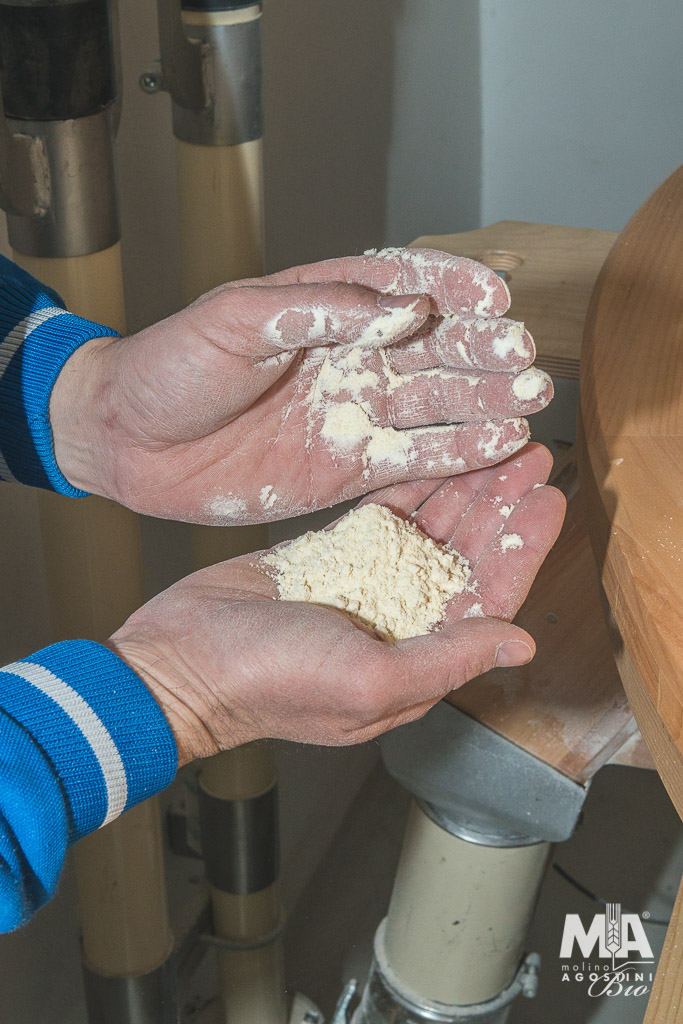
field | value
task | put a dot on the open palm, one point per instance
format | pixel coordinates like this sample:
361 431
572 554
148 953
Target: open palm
269 398
229 664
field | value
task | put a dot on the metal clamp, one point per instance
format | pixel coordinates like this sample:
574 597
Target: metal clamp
342 1010
479 785
386 1001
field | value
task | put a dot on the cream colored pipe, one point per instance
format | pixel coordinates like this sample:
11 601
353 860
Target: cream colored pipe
221 231
93 564
252 982
221 214
220 194
220 200
91 286
459 913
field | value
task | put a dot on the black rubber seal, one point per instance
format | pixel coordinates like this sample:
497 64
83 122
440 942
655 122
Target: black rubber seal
56 62
240 841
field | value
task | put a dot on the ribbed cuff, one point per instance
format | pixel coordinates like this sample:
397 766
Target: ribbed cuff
37 336
97 723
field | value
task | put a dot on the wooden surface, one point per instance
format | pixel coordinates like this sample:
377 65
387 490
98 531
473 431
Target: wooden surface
632 448
631 459
665 1005
567 707
550 270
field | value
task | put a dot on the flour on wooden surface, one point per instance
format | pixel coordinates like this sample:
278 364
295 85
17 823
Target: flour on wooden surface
381 570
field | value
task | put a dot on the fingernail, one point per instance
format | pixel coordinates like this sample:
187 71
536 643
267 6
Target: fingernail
398 301
513 652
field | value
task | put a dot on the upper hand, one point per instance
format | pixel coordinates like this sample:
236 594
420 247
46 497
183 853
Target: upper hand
229 664
247 406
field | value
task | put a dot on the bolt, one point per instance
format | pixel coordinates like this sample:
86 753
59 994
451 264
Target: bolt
150 82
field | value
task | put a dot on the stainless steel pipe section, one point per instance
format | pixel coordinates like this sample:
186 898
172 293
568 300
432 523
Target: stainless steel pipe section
238 807
230 42
58 76
144 999
82 211
240 841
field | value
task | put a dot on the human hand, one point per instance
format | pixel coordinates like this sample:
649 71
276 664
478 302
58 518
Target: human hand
270 397
228 664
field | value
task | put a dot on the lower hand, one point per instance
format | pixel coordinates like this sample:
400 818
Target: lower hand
228 664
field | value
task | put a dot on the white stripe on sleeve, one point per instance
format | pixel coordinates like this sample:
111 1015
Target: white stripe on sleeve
93 729
13 339
9 345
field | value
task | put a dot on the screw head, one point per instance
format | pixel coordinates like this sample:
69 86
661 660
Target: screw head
150 82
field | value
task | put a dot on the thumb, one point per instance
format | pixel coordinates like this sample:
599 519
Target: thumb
263 321
440 662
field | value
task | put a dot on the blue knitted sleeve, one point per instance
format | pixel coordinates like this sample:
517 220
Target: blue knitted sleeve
81 740
37 336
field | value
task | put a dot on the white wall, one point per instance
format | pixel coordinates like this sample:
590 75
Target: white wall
581 108
434 166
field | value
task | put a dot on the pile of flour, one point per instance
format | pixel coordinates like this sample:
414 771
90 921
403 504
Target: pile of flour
381 570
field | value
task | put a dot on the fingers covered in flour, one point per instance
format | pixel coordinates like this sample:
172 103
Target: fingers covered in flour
466 343
391 456
258 322
468 512
506 568
432 396
455 284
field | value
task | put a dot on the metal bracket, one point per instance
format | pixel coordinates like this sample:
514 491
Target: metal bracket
181 69
479 785
342 1011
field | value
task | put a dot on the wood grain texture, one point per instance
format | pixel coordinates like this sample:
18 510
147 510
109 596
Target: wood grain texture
665 1005
550 270
631 448
567 707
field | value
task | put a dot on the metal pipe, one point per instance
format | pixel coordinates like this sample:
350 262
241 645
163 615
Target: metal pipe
58 82
450 947
238 806
219 152
211 65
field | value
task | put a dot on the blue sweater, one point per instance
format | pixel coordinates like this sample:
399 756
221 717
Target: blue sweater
81 737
